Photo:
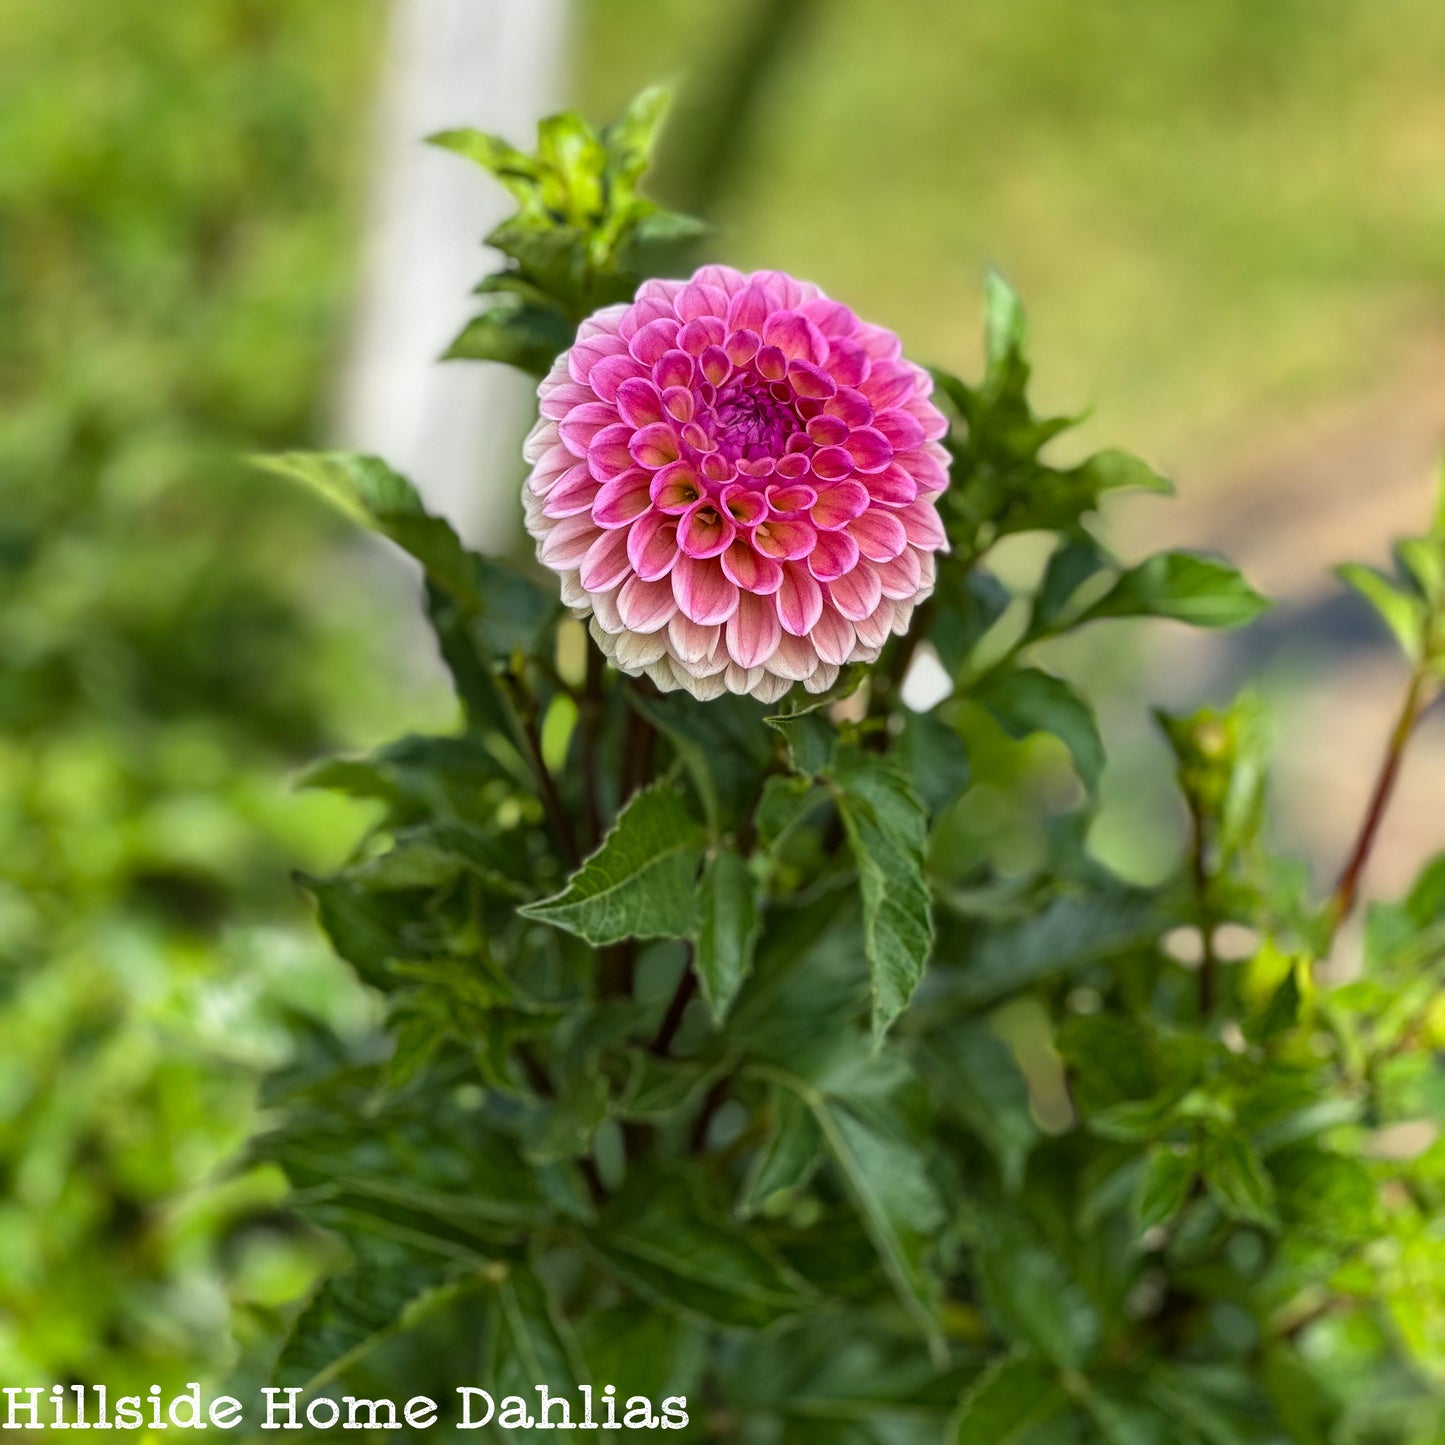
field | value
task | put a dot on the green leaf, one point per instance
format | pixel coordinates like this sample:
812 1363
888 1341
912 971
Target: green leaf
641 882
370 492
887 829
811 739
1075 561
1185 586
1113 470
528 1346
1011 1397
1237 1178
1029 1289
935 758
1404 613
727 930
657 1239
1027 700
517 171
516 333
789 1156
1163 1187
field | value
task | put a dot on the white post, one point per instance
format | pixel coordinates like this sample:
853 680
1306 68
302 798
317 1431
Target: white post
454 428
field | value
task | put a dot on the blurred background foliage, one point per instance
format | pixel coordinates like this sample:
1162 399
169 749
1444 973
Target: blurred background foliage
1219 213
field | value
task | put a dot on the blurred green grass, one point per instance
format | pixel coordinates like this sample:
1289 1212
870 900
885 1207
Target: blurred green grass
177 234
1215 209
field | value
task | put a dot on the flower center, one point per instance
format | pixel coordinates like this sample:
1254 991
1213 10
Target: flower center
750 422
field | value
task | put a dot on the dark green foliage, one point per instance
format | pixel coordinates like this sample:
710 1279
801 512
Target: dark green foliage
940 1152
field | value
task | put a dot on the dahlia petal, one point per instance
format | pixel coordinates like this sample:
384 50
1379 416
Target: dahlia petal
835 554
637 650
604 610
702 590
608 455
652 545
795 659
655 446
567 543
646 606
927 465
833 636
770 687
839 504
792 467
795 336
827 431
692 644
571 493
832 464
560 399
697 300
574 594
753 630
788 290
851 407
638 403
869 449
810 381
704 531
745 505
606 562
873 630
742 346
899 428
741 681
889 384
880 535
857 593
799 601
923 525
831 317
588 351
655 340
705 689
900 578
714 365
750 570
611 372
698 335
771 364
892 487
679 402
748 309
583 423
881 343
676 368
726 279
847 362
784 539
542 436
794 498
824 678
676 488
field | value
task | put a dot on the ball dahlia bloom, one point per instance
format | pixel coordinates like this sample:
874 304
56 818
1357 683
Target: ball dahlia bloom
736 480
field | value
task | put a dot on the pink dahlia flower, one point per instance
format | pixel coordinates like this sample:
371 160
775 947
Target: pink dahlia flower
736 480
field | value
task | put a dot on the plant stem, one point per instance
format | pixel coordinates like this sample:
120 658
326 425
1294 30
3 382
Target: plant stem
547 790
672 1020
1418 698
1199 867
589 720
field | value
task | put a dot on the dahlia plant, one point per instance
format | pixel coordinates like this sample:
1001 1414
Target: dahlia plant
760 1032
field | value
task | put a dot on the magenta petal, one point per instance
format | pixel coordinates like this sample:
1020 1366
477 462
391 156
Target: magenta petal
784 539
869 449
772 365
622 500
857 593
753 632
698 335
833 636
880 535
832 464
654 340
608 455
655 446
585 354
638 403
606 562
924 528
748 309
714 365
927 465
744 505
704 531
847 363
890 384
799 600
675 369
696 300
810 381
703 591
611 372
566 544
572 492
792 466
900 429
652 545
892 487
850 407
741 347
646 606
795 498
750 570
839 504
795 336
583 423
556 402
827 431
676 488
679 403
835 554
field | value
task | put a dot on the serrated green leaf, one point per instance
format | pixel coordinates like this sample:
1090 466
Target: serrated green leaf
1237 1179
789 1156
1011 1397
1027 700
657 1239
1185 586
887 831
641 882
1163 1187
516 333
528 1345
811 739
936 759
1115 470
1404 613
727 929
